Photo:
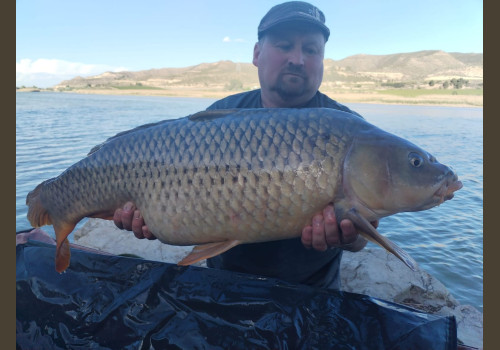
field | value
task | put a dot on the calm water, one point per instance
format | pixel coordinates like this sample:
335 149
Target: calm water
55 130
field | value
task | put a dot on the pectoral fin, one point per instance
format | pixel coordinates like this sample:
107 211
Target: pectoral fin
370 233
205 251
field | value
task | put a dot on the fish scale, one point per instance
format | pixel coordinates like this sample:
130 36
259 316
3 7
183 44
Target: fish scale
229 155
223 177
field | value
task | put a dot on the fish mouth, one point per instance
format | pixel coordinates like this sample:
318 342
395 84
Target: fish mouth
447 190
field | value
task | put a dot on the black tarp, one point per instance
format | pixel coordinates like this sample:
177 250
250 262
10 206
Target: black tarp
111 302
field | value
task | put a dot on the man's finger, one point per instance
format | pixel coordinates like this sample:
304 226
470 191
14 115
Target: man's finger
318 233
332 234
117 218
307 237
147 234
137 224
127 216
349 233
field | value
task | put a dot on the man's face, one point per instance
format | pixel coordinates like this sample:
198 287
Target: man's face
290 65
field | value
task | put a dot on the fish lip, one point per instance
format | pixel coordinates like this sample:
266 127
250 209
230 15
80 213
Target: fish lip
447 189
455 186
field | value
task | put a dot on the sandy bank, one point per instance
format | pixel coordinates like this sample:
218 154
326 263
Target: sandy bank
341 96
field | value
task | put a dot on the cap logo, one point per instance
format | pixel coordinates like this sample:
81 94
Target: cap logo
315 13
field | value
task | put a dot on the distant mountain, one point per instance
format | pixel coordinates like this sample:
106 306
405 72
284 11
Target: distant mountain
421 65
224 74
409 68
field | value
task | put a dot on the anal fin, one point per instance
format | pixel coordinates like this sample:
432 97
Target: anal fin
205 251
370 233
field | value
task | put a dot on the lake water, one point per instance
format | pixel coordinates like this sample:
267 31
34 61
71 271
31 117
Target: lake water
55 130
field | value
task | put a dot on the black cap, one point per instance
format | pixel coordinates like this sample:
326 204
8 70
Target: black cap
293 11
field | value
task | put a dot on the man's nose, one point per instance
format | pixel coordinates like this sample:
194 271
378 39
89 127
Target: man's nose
296 57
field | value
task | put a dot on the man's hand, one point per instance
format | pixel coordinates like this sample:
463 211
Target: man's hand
324 233
129 218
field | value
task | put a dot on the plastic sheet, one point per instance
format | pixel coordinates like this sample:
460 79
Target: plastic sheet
111 302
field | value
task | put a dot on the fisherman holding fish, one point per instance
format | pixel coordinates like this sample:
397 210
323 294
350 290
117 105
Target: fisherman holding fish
237 174
289 56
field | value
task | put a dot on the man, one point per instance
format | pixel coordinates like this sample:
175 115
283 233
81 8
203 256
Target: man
289 56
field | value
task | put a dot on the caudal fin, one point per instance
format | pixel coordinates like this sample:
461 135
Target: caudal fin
37 214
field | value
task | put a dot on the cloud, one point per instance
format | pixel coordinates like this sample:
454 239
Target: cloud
229 40
49 72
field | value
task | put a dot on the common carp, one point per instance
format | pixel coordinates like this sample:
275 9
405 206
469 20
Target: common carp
221 178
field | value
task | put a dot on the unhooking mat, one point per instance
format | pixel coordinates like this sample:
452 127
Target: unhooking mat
112 302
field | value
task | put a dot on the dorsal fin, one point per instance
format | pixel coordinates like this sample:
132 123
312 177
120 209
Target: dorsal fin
211 114
139 128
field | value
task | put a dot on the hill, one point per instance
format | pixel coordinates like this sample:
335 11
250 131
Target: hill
220 75
366 74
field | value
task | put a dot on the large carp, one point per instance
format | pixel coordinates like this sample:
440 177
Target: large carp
226 177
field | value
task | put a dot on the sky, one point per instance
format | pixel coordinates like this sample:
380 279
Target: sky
61 39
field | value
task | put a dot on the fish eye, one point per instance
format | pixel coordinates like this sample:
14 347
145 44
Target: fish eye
416 159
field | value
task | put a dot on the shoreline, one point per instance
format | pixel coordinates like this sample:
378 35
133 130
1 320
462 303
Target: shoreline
374 97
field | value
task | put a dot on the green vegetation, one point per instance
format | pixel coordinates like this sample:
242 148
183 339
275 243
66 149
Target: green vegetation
459 83
421 92
27 87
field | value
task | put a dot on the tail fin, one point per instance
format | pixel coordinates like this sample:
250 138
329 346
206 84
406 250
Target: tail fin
37 214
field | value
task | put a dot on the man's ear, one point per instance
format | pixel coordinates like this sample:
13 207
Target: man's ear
256 53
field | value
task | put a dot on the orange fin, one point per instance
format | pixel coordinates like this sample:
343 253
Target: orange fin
205 251
37 214
63 253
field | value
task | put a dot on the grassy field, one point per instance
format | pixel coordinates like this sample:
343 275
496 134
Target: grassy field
424 92
432 97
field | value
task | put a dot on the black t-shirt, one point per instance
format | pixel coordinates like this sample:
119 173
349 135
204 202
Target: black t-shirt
286 259
251 99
